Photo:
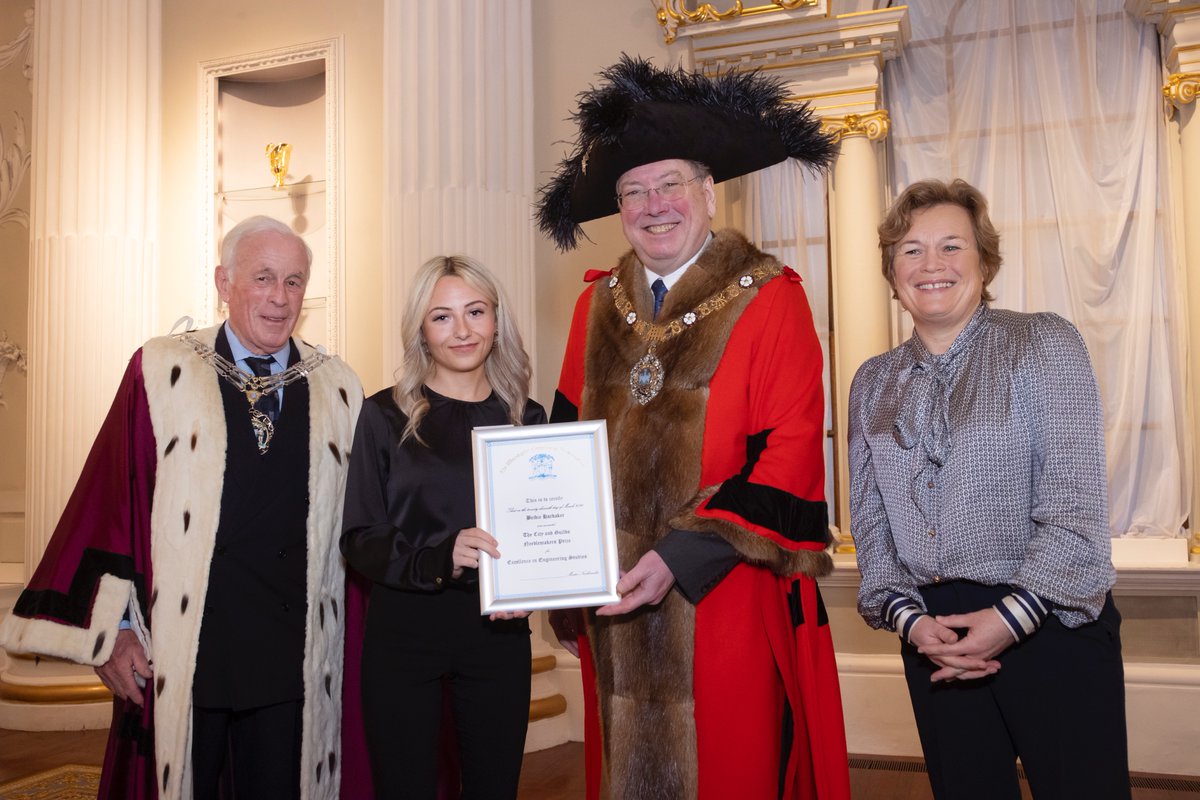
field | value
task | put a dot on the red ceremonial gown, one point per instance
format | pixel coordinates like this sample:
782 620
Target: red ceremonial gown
707 700
136 540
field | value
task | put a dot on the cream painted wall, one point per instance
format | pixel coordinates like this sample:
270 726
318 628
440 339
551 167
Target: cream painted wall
15 99
198 32
574 42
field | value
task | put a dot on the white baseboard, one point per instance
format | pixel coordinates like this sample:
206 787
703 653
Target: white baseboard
54 717
1131 552
12 572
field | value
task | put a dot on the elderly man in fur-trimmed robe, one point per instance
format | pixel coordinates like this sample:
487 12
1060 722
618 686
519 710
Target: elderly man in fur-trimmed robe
196 563
714 675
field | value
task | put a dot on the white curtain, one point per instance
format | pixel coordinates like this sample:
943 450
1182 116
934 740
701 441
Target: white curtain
1053 110
782 210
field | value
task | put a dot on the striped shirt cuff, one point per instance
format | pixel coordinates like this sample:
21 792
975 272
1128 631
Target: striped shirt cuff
1023 612
900 614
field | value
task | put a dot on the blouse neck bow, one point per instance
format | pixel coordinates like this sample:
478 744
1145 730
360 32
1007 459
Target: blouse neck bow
925 386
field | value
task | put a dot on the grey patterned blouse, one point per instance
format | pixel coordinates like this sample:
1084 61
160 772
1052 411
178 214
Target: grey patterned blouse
984 463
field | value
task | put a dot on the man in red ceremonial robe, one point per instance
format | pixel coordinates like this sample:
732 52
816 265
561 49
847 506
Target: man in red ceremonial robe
714 676
196 564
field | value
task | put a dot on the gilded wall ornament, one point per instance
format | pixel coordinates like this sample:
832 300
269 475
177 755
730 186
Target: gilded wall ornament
675 13
1181 87
874 125
279 155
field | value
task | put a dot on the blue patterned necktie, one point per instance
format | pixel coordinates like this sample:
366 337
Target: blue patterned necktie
269 402
660 291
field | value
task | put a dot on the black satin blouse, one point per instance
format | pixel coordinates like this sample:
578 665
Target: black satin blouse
406 503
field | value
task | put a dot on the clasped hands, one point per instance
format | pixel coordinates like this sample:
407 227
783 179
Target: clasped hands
969 657
467 545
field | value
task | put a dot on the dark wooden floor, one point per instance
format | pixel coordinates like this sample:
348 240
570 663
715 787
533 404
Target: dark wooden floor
554 774
24 752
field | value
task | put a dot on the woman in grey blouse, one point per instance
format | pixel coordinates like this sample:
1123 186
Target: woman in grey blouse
979 508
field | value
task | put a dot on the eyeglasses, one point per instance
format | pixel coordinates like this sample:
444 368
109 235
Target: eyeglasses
636 199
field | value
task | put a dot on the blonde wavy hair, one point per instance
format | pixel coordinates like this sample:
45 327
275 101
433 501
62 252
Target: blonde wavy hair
507 366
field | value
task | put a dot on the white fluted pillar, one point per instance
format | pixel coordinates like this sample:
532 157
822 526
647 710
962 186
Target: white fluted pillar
93 231
459 156
861 310
1189 146
93 234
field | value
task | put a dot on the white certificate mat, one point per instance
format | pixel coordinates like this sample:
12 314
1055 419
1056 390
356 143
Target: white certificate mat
545 493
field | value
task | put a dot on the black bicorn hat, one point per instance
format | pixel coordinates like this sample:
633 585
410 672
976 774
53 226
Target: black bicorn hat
734 123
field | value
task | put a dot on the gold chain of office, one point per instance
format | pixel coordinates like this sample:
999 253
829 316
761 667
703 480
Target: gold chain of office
646 377
255 386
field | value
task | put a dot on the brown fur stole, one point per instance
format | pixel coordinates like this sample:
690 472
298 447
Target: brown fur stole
644 660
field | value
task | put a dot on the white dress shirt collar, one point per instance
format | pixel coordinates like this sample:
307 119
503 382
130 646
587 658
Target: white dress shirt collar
673 278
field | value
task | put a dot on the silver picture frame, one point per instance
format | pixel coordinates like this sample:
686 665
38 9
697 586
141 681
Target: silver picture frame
545 493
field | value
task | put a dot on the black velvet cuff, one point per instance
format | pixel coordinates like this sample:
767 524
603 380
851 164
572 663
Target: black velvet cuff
697 559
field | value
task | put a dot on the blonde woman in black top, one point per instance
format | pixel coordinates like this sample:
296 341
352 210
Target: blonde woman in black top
409 527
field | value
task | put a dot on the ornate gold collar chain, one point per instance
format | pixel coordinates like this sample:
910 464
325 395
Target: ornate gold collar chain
647 375
254 387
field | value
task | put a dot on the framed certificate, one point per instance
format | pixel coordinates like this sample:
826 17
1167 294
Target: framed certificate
545 493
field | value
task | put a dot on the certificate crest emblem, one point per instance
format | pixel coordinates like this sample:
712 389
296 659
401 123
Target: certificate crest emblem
541 466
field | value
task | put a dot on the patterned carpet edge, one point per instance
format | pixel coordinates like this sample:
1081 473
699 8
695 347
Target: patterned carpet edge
68 782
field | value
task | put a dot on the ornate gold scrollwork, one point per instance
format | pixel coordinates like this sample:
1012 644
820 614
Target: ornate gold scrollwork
705 11
674 13
874 125
1181 88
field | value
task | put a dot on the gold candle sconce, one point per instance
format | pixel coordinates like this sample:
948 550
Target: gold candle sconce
279 155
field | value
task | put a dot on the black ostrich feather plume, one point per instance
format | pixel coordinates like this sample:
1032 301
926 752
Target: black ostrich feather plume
733 122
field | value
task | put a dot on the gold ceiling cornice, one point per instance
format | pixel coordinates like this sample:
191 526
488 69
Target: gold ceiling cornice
675 13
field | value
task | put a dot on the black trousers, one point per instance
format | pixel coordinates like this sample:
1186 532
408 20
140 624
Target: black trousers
252 754
402 686
1057 703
